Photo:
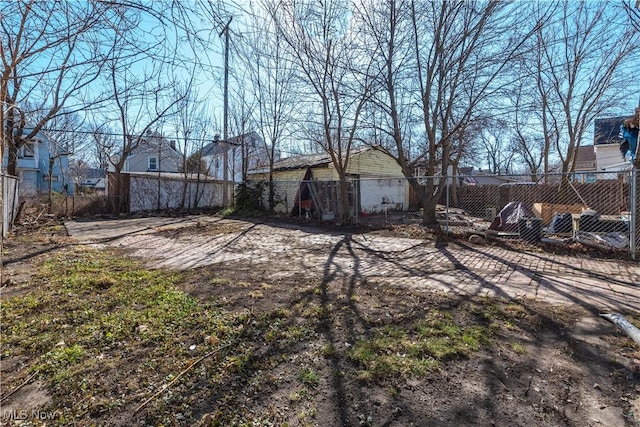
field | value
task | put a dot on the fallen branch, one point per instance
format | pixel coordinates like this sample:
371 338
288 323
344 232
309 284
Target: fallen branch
29 378
187 369
626 326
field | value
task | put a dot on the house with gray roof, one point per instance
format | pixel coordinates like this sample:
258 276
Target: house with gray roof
256 156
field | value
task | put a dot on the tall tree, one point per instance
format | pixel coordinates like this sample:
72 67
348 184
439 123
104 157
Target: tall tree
496 148
340 79
270 82
63 135
192 123
582 63
458 54
463 51
143 96
51 52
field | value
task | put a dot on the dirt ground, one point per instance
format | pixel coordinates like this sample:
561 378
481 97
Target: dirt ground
545 363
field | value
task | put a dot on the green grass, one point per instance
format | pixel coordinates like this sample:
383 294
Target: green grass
309 377
416 349
87 311
518 348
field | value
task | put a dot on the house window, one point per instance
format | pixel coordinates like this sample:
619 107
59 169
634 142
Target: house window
27 150
152 162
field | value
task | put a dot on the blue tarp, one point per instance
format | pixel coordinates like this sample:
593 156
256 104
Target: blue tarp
630 135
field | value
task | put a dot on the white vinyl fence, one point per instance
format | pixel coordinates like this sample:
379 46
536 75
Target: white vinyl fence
9 202
149 192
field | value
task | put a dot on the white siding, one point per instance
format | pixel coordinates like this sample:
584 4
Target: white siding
607 156
381 194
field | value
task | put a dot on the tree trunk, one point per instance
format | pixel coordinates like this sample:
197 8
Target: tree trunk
50 199
429 212
12 152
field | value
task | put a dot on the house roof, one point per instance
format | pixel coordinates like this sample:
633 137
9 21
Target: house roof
152 142
607 130
304 161
487 180
313 160
216 147
95 173
178 176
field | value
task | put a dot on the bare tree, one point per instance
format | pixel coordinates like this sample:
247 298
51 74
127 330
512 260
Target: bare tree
64 135
582 62
328 54
51 52
633 14
528 130
192 123
496 148
458 54
242 113
141 103
270 81
463 51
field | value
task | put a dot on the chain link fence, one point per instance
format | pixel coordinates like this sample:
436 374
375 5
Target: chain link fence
35 207
592 209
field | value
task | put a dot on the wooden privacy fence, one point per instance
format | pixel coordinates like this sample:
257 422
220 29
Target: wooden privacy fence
607 197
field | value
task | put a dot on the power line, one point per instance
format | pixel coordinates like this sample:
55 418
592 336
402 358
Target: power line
176 138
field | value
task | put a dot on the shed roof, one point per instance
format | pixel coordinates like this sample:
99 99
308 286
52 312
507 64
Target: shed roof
314 160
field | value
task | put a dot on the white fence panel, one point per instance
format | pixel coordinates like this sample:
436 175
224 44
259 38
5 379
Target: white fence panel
154 193
9 202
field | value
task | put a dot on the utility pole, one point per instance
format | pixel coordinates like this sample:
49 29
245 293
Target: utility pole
225 131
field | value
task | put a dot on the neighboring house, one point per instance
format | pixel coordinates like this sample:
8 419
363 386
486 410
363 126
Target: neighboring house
154 153
257 156
606 144
310 183
95 180
467 175
40 161
470 176
585 164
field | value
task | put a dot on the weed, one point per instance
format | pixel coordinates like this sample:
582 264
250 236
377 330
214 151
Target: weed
216 281
309 377
61 357
515 310
315 311
518 348
298 395
328 351
256 294
418 349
